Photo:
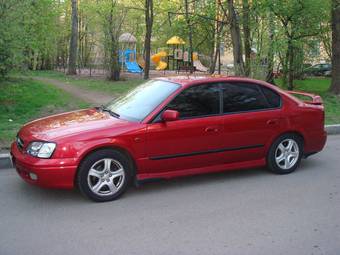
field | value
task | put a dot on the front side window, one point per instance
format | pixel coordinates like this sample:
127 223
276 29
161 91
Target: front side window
241 97
196 101
141 101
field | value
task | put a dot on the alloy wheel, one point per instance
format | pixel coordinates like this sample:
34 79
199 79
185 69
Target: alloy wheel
287 154
106 177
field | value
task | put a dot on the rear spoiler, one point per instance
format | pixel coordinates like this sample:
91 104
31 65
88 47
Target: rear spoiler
315 99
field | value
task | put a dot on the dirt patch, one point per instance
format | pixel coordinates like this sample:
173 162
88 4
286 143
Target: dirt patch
91 97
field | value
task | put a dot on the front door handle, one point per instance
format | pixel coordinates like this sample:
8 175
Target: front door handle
211 129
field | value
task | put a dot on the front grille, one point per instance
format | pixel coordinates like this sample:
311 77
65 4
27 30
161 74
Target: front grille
20 143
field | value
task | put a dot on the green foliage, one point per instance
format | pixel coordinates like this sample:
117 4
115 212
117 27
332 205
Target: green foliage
28 34
10 29
22 100
35 34
297 22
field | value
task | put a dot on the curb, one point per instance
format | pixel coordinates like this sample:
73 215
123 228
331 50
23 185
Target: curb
333 129
5 160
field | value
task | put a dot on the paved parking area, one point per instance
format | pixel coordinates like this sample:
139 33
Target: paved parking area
244 212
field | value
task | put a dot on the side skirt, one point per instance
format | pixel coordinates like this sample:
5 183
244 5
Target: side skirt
140 178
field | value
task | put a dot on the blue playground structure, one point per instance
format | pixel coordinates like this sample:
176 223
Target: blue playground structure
128 60
127 53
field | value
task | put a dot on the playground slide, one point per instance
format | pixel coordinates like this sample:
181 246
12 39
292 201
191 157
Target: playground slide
133 67
160 65
141 61
199 66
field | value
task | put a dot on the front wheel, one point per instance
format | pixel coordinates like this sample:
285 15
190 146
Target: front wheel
104 175
285 154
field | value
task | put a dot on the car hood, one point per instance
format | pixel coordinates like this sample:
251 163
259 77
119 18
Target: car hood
70 124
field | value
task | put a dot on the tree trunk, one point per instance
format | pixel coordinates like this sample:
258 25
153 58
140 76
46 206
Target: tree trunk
35 60
187 18
246 32
290 51
270 67
335 86
114 64
72 61
216 55
216 49
212 56
236 39
213 65
147 43
114 60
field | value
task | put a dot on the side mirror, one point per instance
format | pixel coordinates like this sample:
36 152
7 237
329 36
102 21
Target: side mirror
170 115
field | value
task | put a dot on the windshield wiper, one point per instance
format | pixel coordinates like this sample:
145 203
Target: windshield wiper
105 109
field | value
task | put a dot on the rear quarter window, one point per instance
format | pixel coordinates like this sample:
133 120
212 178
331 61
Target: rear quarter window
273 98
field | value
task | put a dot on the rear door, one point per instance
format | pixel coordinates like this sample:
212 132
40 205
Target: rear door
252 116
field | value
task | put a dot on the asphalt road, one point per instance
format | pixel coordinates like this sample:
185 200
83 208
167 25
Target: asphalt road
244 212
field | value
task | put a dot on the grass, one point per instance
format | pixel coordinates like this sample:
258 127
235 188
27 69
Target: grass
95 84
320 87
24 99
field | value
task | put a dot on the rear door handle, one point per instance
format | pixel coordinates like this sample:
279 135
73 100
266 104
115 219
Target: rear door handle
272 122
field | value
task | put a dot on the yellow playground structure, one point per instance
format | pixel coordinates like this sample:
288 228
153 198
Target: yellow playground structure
157 59
177 56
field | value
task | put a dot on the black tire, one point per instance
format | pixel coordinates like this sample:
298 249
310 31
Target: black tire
274 151
99 156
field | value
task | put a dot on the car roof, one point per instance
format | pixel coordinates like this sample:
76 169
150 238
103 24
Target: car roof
195 80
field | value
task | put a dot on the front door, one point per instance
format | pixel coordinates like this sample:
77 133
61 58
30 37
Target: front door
193 140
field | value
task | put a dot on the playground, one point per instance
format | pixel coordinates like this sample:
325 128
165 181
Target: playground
173 59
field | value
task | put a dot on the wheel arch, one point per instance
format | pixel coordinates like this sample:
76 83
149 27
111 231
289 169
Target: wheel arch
108 147
294 132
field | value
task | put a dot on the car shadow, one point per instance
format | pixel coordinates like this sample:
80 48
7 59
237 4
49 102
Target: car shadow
225 177
194 181
160 186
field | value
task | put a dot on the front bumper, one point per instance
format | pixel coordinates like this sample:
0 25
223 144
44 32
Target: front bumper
47 173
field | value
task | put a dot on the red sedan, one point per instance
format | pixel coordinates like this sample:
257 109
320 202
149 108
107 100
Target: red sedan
170 127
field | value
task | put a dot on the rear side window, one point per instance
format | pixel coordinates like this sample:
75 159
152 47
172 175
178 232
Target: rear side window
273 98
240 97
200 100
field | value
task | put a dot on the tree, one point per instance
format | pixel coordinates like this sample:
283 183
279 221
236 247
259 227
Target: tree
236 39
147 42
112 16
335 86
72 61
217 32
27 34
189 27
300 19
270 56
246 33
11 35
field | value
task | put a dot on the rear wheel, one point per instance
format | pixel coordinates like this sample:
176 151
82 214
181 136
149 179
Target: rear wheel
285 154
104 175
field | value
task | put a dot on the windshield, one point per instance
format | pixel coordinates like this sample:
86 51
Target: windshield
141 101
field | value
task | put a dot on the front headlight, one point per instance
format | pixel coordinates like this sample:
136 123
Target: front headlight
41 149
